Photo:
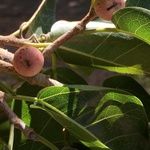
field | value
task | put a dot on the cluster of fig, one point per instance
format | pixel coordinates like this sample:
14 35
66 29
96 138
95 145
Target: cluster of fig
106 8
28 61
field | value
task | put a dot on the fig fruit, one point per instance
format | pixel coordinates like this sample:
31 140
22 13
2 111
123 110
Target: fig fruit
104 9
28 61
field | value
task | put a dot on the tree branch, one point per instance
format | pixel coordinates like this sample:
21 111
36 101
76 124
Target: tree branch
40 79
14 119
5 55
12 41
68 35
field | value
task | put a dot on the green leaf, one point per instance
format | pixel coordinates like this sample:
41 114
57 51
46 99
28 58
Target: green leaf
107 50
120 122
139 3
76 129
43 18
81 133
65 100
135 21
59 97
130 85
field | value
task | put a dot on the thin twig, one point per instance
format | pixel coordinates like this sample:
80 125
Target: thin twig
6 67
14 119
12 41
17 42
68 35
42 80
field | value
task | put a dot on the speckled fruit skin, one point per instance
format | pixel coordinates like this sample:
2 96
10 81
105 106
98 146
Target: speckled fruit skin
105 8
28 61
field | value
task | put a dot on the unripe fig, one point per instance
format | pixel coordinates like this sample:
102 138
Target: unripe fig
28 61
105 8
62 26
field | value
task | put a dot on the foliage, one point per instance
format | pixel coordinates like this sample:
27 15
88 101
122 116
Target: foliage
112 116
